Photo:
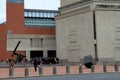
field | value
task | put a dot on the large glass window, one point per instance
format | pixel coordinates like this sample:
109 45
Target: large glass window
45 14
40 22
11 1
37 14
52 15
33 14
16 1
49 15
25 14
29 14
41 14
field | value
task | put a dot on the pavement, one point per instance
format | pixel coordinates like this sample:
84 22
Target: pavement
93 76
48 71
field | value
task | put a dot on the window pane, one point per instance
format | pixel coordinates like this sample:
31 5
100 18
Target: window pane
33 14
45 14
29 14
48 14
52 14
41 14
25 14
11 1
37 14
15 1
19 1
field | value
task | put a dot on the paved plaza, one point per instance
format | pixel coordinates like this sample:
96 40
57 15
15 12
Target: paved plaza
102 76
48 70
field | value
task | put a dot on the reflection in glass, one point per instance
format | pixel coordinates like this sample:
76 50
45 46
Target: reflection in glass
37 14
30 14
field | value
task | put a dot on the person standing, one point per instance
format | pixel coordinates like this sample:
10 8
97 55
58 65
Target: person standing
12 61
35 63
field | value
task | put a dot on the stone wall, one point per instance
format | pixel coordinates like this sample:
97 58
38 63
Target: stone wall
76 39
67 2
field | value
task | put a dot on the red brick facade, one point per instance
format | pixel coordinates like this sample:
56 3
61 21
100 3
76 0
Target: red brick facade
15 22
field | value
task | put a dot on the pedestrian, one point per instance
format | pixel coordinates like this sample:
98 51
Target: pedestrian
7 61
35 63
12 61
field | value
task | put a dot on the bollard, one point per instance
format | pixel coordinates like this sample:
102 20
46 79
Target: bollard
92 68
11 72
26 71
116 68
40 70
67 69
80 68
54 70
104 68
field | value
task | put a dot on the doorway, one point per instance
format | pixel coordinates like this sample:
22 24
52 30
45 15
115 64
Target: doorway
34 54
51 53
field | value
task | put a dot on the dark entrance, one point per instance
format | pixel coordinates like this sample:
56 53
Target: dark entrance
51 53
34 54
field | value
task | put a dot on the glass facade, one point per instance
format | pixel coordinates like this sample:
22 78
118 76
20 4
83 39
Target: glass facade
16 1
40 18
29 22
40 13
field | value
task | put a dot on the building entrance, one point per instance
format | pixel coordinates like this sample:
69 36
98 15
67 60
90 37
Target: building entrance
34 54
51 53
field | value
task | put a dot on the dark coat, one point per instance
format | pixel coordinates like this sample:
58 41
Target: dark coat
35 63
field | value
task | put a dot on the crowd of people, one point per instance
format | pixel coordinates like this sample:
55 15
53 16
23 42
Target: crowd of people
49 60
37 61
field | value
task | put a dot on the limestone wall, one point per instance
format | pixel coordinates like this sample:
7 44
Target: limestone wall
66 2
107 23
31 42
74 34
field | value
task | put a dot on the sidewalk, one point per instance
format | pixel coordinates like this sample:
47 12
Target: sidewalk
48 70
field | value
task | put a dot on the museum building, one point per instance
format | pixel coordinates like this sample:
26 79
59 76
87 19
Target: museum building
88 27
80 28
35 29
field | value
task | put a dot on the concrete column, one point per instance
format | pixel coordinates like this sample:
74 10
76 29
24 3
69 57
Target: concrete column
116 68
54 70
28 55
104 68
80 69
26 71
40 70
45 53
11 72
92 68
67 69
